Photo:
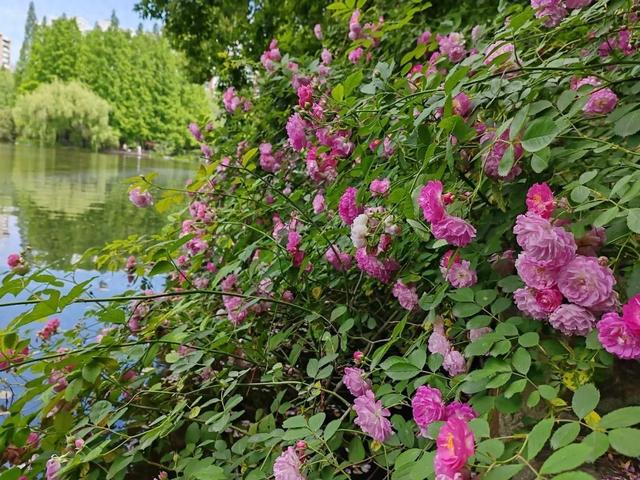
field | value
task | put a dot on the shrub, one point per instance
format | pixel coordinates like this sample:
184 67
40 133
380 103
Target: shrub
413 254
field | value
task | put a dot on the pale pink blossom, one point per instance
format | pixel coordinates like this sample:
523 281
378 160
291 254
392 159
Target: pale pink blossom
372 417
406 295
380 186
355 382
572 320
288 465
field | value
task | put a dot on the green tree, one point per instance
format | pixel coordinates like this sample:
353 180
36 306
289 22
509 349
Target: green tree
7 100
64 113
29 32
54 54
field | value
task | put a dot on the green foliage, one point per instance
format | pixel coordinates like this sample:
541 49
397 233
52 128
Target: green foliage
64 113
7 100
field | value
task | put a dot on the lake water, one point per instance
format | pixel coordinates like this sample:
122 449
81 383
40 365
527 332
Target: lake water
59 202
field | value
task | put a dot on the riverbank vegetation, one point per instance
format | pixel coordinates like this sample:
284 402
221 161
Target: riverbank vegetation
142 80
411 252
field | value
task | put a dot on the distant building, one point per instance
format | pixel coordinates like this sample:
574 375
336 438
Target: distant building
5 52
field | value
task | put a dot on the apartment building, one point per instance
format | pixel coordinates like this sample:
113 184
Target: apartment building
5 52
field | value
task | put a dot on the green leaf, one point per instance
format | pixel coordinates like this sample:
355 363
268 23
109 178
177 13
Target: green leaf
606 216
338 312
585 400
521 360
518 122
356 450
352 81
548 392
464 310
506 162
538 437
502 472
628 125
338 92
574 476
626 441
633 220
566 458
119 464
529 339
163 266
539 134
91 371
623 417
540 160
565 435
402 371
315 422
454 77
580 193
599 444
331 429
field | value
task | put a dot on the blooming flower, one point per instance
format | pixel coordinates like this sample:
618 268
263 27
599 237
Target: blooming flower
540 200
454 363
452 46
535 275
268 161
454 230
355 382
455 445
355 29
231 100
375 267
585 282
380 186
406 295
461 275
317 31
618 338
631 314
326 57
305 96
51 328
424 38
53 467
347 207
525 299
318 203
577 3
600 102
428 407
545 244
576 82
372 417
572 319
355 55
498 49
270 56
552 11
195 132
296 132
497 152
139 198
430 201
287 466
461 104
341 261
548 299
461 410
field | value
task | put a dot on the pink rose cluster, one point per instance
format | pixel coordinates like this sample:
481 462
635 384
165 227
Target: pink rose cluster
454 230
232 101
456 271
271 56
620 44
50 329
620 335
553 271
17 263
371 415
600 101
554 11
406 295
453 361
428 407
452 46
269 161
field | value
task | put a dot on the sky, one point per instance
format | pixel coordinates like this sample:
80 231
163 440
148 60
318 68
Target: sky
13 14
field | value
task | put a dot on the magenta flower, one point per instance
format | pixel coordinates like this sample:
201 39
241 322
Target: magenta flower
430 201
428 407
341 261
552 11
348 207
576 82
455 445
305 96
585 282
447 260
406 295
355 382
195 131
372 417
375 267
548 299
287 466
577 3
496 152
268 161
424 38
618 338
317 31
53 467
572 320
139 198
454 230
380 186
461 275
544 244
326 57
296 132
540 200
14 260
355 55
454 363
600 102
231 100
438 343
535 275
461 104
355 29
318 203
631 314
50 329
525 300
461 410
452 46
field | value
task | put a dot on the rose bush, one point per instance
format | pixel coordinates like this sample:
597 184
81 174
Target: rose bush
412 253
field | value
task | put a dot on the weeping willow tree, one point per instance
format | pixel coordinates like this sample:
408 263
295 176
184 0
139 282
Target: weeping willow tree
66 114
